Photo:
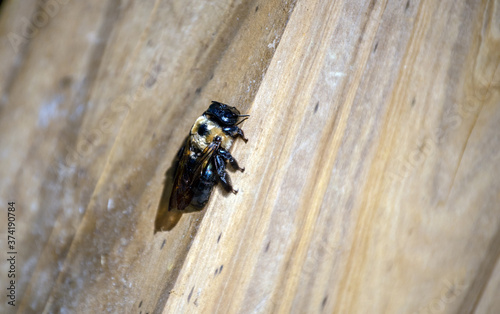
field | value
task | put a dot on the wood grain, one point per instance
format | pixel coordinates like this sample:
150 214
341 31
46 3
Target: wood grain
372 167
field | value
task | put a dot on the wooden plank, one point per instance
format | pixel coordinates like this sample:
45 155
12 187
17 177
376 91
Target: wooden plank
42 113
371 181
16 30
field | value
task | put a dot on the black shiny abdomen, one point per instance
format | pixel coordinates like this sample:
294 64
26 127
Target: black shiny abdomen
204 188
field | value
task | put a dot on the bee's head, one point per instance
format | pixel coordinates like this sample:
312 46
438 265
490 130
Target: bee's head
224 114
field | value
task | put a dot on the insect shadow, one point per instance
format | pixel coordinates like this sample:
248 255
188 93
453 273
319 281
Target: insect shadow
166 220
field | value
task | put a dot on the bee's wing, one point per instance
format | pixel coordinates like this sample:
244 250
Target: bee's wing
188 174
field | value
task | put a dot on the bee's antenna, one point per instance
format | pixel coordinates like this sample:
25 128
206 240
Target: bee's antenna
245 116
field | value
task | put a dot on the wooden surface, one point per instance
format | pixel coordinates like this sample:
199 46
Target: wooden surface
372 180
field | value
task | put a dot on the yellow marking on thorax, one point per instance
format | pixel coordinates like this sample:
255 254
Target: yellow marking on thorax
201 142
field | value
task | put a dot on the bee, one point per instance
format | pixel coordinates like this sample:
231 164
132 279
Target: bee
202 160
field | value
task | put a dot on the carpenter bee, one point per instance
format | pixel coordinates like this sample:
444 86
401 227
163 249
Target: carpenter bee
202 160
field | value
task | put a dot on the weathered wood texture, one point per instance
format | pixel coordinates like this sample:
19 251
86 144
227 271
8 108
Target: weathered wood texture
372 180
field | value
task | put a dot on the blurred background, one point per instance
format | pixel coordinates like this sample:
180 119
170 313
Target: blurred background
372 181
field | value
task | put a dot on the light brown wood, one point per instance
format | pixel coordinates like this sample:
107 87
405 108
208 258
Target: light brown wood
372 167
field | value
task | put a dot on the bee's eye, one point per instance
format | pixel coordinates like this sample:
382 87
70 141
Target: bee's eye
203 130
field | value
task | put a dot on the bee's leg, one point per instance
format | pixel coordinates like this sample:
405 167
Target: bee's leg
224 178
227 156
234 131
